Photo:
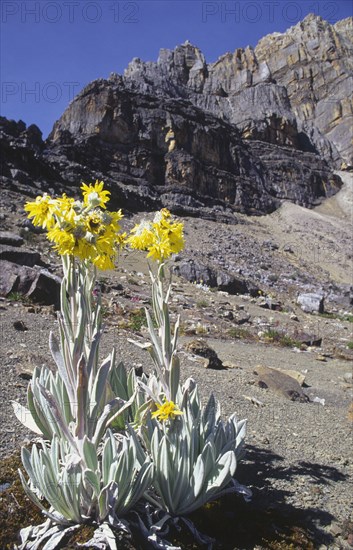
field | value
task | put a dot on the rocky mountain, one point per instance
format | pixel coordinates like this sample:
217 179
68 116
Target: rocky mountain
259 126
292 89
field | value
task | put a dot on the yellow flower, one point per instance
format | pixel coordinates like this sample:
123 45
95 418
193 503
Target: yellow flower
84 249
106 246
112 218
121 239
168 410
142 236
41 210
161 238
81 229
64 240
64 209
159 250
93 222
95 195
161 215
104 261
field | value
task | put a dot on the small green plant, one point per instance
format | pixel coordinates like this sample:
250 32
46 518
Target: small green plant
288 342
202 303
137 319
16 296
183 328
350 345
240 333
201 329
275 336
328 315
348 318
105 311
271 334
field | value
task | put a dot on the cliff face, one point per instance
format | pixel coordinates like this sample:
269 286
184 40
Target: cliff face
256 127
293 86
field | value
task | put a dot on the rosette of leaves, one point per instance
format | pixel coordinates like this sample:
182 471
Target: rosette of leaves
195 457
81 486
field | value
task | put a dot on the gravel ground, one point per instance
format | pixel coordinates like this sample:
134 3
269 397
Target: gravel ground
299 455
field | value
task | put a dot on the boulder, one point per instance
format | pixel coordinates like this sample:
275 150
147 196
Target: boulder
9 277
9 238
201 348
19 256
36 283
281 383
197 272
307 339
45 288
311 302
229 283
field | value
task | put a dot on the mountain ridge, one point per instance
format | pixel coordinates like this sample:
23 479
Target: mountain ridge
258 126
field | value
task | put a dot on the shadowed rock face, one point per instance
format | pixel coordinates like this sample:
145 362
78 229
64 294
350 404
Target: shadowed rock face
257 127
123 137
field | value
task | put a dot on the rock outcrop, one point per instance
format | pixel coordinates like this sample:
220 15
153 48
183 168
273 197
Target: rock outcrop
259 126
23 272
291 89
120 136
197 272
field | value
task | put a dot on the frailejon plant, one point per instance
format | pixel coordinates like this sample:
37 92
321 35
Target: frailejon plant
116 446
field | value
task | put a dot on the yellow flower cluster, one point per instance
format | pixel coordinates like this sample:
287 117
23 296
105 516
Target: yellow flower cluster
161 238
84 229
166 411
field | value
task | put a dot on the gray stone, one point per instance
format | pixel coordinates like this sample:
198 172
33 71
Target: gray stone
20 326
271 245
36 283
12 239
311 302
229 283
307 339
45 288
281 383
8 277
19 256
4 487
243 318
201 348
197 272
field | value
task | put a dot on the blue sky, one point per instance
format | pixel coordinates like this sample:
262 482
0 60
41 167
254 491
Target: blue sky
50 49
